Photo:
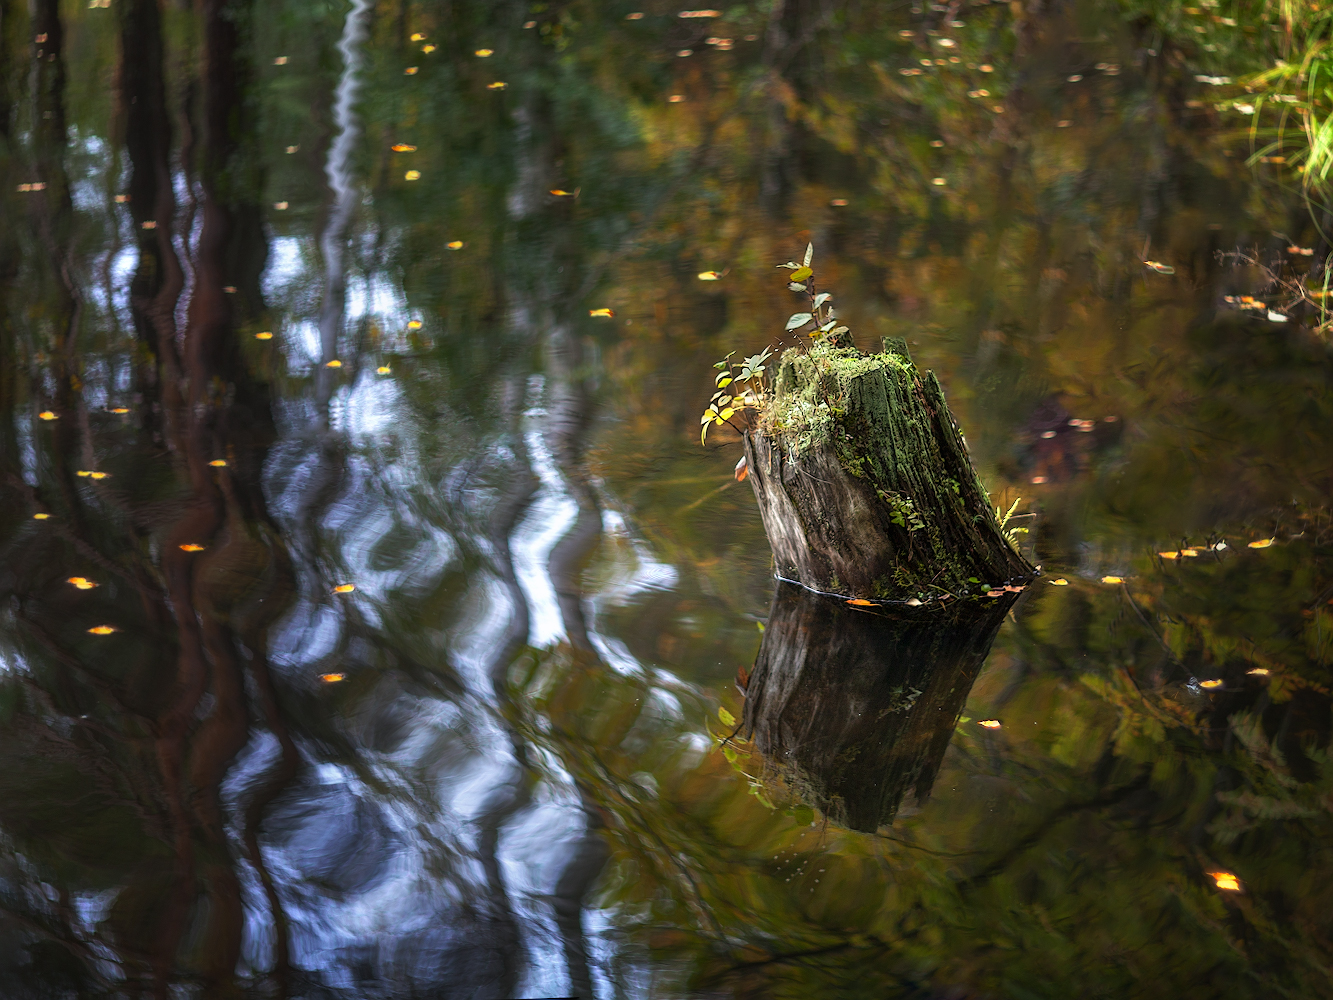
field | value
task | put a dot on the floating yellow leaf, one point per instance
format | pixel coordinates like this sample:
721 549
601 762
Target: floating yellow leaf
418 37
559 193
265 335
484 53
861 602
383 370
335 363
710 275
41 516
414 324
412 175
990 723
428 49
410 71
82 582
101 630
1169 555
1263 543
1258 672
1113 579
218 463
455 245
1225 880
1210 684
839 202
120 409
1061 582
403 147
1189 553
191 547
332 678
497 85
603 313
48 415
344 588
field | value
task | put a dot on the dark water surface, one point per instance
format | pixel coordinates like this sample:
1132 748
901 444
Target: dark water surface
252 355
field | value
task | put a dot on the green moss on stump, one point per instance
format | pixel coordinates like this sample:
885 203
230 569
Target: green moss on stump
863 480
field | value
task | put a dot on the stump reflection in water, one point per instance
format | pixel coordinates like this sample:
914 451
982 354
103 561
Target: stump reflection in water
854 708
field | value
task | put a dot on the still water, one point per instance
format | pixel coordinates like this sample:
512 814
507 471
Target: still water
373 621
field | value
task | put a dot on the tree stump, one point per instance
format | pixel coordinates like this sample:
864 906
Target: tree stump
865 486
854 708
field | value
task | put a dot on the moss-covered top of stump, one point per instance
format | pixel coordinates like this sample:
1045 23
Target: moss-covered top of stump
889 426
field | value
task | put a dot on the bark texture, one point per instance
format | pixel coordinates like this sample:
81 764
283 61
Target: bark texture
853 709
865 485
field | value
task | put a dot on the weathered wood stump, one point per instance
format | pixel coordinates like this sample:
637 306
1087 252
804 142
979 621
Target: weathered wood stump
864 482
853 709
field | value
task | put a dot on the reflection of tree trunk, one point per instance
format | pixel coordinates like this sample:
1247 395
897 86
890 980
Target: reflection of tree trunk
854 709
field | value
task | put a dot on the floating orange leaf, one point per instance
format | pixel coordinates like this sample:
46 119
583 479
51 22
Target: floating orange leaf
484 53
995 593
344 588
122 199
265 335
1210 684
861 602
428 49
1113 579
332 678
410 71
742 470
335 363
839 202
603 313
676 99
218 463
1258 672
559 193
82 582
383 370
1169 555
1189 553
636 16
412 175
455 245
280 61
120 409
101 630
1159 267
990 723
1061 582
1263 543
1225 880
48 415
191 547
700 13
403 147
229 289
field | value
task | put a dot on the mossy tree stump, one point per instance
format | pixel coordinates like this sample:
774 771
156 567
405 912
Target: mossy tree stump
865 485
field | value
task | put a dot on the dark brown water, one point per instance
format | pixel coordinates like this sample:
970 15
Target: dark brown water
252 356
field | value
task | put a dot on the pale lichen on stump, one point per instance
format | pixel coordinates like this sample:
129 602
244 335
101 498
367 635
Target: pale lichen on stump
865 485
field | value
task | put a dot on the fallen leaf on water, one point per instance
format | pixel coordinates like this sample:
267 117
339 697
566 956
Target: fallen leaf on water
218 463
1301 251
1189 553
1225 880
1159 267
410 71
1113 579
82 582
150 224
335 363
41 517
383 370
1062 582
428 49
990 723
280 206
229 289
710 275
412 175
636 16
403 147
1169 555
414 324
120 409
1258 672
484 53
603 313
742 469
1263 543
1209 685
418 37
1037 480
332 678
265 335
560 193
344 588
995 593
101 630
280 61
839 202
292 149
48 415
190 547
861 602
1276 317
121 199
455 245
700 13
497 85
675 98
938 181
